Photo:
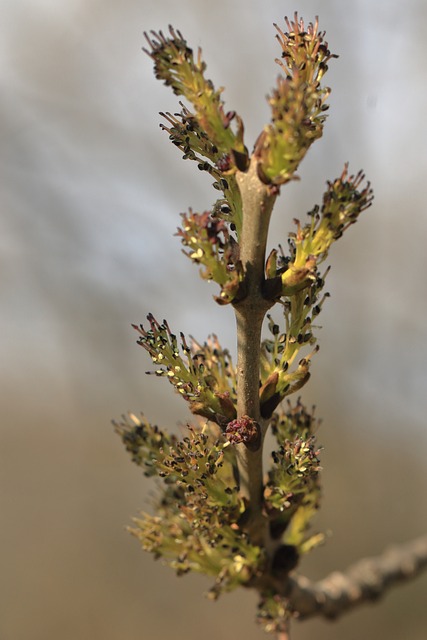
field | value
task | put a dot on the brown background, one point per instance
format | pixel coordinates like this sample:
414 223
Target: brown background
90 196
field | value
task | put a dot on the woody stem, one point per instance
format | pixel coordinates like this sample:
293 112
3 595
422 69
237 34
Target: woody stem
257 201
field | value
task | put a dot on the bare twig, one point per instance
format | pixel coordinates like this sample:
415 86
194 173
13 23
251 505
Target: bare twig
366 580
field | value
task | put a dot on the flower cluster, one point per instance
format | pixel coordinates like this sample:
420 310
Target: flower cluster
202 374
205 135
297 103
343 202
292 496
198 510
292 492
279 379
273 613
211 245
145 442
175 64
298 283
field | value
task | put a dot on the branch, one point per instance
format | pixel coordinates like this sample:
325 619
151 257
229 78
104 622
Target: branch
366 580
257 204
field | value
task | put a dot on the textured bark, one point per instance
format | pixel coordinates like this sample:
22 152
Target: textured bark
366 581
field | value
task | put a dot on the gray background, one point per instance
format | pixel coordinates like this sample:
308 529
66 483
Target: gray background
89 200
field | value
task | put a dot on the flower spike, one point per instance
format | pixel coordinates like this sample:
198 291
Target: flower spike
298 103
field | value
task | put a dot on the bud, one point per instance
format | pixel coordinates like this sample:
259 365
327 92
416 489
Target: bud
244 430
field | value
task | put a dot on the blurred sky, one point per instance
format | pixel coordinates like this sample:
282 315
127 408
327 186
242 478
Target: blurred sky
90 195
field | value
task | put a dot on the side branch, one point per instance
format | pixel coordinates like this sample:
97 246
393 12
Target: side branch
365 581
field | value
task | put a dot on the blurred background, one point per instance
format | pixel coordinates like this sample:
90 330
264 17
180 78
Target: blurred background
90 195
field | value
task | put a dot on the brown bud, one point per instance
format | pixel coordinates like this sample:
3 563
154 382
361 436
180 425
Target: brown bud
241 160
268 389
227 405
244 430
285 560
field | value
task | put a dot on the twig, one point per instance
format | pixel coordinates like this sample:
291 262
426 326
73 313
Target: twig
366 580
